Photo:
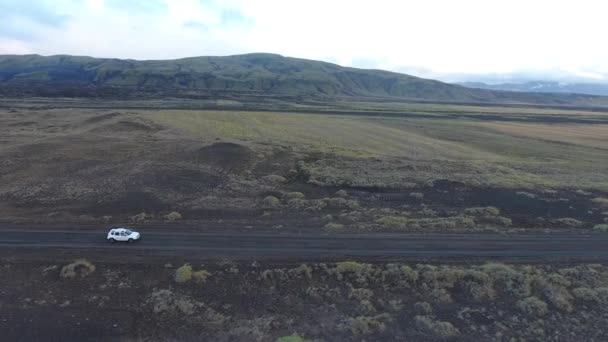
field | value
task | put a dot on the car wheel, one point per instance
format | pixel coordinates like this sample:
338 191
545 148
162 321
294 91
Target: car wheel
130 240
112 240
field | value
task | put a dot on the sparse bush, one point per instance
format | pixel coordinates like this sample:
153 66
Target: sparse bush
483 211
601 227
141 217
437 329
600 201
476 285
349 267
341 203
270 202
361 294
291 338
602 294
440 296
507 279
585 294
173 216
532 306
294 195
334 226
559 297
423 308
503 221
392 221
183 274
276 179
302 270
365 325
525 194
569 222
165 301
79 268
450 222
417 195
341 193
200 276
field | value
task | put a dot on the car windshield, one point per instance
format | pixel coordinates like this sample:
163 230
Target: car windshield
128 232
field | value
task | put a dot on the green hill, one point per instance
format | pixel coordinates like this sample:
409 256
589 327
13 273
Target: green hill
257 73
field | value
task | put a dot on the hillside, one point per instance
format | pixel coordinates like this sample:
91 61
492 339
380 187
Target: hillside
544 87
258 73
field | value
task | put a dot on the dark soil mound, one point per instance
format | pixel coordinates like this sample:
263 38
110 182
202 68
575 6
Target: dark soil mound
228 156
100 118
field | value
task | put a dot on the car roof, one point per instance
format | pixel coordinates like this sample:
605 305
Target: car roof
118 229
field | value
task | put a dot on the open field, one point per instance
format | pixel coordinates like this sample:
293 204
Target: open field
189 300
329 170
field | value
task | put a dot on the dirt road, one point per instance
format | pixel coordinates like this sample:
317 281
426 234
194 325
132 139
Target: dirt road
240 245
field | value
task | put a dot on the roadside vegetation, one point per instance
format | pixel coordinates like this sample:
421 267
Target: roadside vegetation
343 301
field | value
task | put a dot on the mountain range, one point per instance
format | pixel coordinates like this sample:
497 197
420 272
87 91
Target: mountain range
256 73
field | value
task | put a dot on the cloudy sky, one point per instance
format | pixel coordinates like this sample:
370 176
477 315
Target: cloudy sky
445 39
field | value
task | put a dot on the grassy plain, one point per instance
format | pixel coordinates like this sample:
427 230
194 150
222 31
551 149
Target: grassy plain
421 165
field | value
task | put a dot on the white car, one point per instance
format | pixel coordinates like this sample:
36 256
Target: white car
123 234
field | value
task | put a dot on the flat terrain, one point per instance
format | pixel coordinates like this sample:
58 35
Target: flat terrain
354 166
342 221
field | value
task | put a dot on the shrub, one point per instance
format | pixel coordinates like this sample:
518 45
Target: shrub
79 268
601 227
417 195
365 325
532 306
600 201
200 276
503 221
341 193
139 217
274 179
437 329
569 222
507 279
525 194
294 195
183 274
166 302
482 211
341 203
602 294
332 225
270 202
173 216
423 308
392 221
302 270
585 294
291 338
349 267
476 285
440 296
559 297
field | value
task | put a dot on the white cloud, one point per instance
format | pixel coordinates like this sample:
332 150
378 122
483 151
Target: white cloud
437 38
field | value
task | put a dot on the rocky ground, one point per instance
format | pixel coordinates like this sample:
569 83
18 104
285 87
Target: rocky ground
93 300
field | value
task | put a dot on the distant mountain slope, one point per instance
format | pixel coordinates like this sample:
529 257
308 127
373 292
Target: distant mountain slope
544 87
259 73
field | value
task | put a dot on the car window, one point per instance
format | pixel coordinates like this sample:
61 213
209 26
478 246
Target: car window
128 232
